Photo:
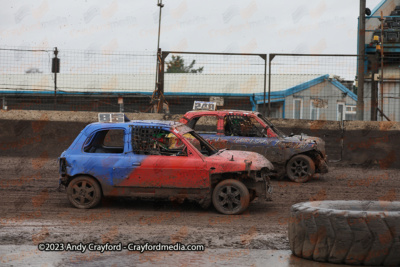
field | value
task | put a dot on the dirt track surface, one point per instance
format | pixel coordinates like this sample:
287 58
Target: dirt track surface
33 211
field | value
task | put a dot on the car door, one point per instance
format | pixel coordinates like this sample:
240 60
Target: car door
104 155
166 167
246 133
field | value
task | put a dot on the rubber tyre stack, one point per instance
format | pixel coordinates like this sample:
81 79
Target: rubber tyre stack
346 232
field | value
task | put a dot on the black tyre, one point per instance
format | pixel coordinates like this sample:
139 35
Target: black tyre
231 197
300 168
84 192
346 232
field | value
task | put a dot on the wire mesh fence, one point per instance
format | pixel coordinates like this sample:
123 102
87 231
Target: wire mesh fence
229 79
97 80
87 80
313 87
23 69
105 72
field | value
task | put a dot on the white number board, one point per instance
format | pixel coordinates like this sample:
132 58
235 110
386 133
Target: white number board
111 117
200 105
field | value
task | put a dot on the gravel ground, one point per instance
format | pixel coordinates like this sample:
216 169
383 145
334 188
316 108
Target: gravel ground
33 211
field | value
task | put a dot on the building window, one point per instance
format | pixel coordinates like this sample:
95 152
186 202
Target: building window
340 111
298 108
351 112
314 110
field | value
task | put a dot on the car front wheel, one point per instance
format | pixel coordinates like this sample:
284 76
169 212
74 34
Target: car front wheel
300 168
84 192
231 197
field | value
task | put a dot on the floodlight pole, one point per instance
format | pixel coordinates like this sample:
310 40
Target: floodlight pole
361 57
159 91
161 5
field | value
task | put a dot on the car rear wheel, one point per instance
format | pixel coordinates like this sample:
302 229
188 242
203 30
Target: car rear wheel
84 192
231 197
300 168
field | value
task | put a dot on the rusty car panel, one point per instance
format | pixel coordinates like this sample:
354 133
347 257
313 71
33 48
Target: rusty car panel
250 131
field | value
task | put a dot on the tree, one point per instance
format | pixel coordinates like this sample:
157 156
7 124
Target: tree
177 65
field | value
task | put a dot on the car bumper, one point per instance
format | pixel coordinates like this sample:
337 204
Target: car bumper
323 165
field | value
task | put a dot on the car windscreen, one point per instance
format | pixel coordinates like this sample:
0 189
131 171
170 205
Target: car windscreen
271 126
199 143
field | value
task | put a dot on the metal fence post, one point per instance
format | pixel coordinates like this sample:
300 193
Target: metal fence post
265 82
382 56
271 57
361 58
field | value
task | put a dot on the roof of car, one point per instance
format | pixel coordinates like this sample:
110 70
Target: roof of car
142 122
155 123
218 112
159 123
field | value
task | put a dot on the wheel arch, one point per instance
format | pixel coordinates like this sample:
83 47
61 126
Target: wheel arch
242 176
313 154
250 181
70 178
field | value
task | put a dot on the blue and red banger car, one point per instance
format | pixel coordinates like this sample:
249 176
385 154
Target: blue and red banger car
299 157
161 159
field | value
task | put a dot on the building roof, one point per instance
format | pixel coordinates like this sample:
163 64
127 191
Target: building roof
230 84
175 83
279 96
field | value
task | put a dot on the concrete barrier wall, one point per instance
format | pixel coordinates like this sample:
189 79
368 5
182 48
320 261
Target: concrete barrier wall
364 143
47 134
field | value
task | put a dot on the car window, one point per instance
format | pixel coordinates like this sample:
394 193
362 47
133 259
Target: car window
106 141
257 127
114 138
237 125
272 131
156 141
206 124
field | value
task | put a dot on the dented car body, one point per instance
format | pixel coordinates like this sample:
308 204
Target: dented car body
163 160
299 157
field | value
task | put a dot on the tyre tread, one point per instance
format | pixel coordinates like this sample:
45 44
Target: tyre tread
346 237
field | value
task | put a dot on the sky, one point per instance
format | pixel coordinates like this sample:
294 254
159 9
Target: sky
255 26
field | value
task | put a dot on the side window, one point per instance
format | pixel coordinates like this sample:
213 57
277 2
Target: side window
206 124
106 141
257 127
114 138
235 125
156 141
